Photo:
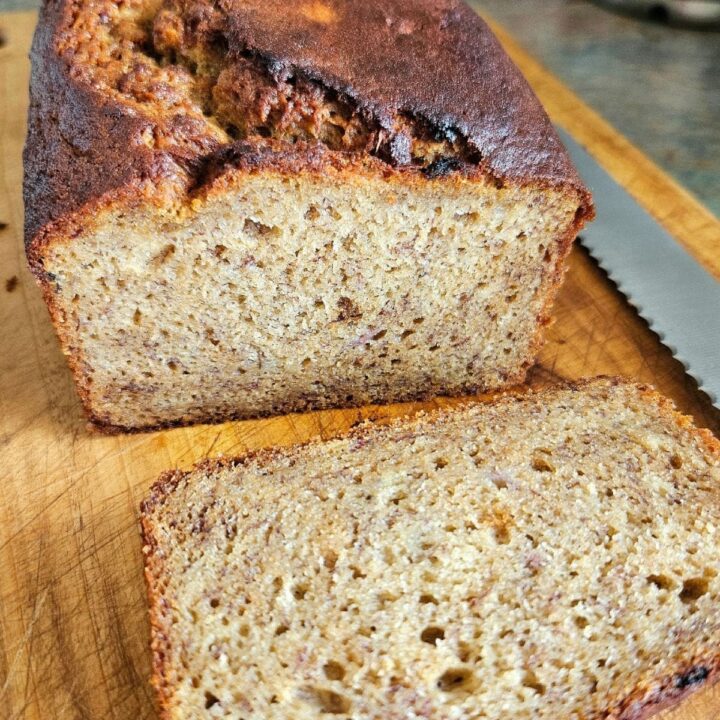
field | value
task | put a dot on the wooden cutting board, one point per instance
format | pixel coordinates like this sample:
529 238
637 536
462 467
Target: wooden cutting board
73 628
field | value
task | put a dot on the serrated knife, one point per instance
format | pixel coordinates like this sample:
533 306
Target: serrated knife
677 297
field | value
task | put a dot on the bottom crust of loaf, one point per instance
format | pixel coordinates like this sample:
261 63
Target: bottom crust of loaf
279 292
551 554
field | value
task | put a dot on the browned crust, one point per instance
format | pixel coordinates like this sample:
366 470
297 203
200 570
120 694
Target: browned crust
643 703
85 151
80 147
153 573
435 59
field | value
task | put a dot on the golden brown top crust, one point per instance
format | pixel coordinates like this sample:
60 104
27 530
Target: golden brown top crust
140 97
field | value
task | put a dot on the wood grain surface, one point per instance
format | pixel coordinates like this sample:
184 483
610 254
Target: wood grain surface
73 627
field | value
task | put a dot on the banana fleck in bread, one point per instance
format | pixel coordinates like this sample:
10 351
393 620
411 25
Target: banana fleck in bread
240 208
544 557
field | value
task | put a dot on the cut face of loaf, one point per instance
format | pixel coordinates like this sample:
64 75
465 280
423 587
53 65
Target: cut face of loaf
308 291
544 557
237 209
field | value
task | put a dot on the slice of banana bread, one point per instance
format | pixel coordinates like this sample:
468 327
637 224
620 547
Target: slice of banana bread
544 557
243 208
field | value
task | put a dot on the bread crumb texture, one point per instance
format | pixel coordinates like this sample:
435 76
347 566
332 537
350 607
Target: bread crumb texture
553 556
294 293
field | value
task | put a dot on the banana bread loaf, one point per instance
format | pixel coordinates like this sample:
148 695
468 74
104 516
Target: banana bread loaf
240 208
545 557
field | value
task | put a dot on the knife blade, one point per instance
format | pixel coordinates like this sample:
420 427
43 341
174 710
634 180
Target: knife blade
677 297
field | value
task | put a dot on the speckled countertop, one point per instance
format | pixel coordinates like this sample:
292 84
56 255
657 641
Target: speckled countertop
658 86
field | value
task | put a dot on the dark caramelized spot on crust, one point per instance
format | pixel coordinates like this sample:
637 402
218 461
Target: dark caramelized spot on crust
441 166
693 677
